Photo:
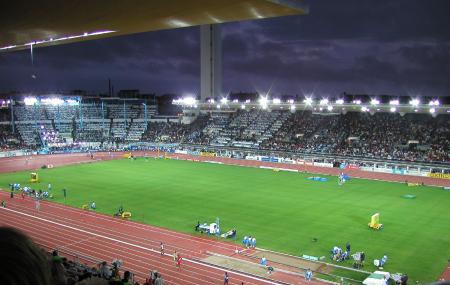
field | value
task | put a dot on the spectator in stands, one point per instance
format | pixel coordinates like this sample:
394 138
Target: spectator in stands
23 263
58 271
159 280
126 278
55 256
105 270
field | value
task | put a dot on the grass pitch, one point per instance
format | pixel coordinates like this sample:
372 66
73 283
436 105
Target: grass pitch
283 210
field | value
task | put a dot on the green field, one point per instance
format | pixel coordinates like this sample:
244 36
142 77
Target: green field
283 210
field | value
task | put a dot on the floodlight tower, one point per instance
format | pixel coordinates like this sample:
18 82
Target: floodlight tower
211 61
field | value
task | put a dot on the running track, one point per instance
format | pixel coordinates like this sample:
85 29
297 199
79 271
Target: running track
106 238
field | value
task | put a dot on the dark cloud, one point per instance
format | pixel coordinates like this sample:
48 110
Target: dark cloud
235 45
350 19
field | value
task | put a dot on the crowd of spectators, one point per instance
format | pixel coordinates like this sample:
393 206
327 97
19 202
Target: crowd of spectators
9 141
172 132
391 136
412 137
164 132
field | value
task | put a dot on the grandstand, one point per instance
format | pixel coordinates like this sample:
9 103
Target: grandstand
391 136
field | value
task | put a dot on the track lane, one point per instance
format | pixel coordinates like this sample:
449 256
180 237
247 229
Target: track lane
207 276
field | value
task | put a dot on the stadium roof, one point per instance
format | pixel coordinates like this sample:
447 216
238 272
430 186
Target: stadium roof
42 23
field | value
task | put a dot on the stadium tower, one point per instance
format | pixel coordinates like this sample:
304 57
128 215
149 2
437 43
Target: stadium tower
211 61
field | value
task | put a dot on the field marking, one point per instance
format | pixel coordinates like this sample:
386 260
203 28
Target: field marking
76 242
132 224
138 246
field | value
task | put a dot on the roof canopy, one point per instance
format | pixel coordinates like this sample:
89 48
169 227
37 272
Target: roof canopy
42 23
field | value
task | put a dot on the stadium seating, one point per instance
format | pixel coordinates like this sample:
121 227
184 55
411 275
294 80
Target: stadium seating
411 137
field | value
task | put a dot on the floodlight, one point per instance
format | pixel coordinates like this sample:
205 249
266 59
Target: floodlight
308 101
434 103
189 101
263 101
393 109
30 101
323 101
394 102
211 101
432 110
292 107
276 101
235 101
52 101
224 100
415 102
340 101
243 107
357 102
364 109
218 106
374 101
330 108
291 101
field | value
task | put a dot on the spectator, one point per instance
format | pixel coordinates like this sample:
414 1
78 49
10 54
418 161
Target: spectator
23 262
159 280
105 271
126 278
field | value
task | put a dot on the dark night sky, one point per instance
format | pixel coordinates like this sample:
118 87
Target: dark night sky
398 47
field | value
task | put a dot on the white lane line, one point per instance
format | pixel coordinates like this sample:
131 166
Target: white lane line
76 242
138 246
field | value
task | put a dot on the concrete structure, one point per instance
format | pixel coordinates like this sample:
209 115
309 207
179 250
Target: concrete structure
211 61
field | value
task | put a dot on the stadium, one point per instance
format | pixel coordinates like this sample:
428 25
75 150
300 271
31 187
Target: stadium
250 187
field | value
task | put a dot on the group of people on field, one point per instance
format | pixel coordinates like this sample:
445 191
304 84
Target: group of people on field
249 241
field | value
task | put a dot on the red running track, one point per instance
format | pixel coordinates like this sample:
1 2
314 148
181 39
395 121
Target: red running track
446 274
106 238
